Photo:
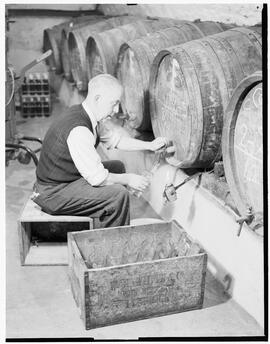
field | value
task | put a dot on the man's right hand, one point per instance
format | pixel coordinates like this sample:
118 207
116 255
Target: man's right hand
137 182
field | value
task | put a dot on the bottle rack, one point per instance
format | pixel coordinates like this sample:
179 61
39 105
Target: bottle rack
35 99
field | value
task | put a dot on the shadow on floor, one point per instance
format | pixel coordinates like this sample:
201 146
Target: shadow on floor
215 293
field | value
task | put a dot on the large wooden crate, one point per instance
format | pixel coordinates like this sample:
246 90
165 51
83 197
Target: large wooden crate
122 274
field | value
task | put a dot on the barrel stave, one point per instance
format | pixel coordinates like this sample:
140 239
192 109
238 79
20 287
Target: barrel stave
213 94
65 59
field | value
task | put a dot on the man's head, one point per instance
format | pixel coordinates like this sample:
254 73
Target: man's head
104 94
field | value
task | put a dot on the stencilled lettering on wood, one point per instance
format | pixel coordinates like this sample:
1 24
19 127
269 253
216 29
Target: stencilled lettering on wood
144 290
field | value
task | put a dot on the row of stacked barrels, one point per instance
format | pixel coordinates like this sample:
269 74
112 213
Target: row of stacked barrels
192 82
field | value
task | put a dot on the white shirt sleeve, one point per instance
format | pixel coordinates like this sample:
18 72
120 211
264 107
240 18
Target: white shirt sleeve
81 145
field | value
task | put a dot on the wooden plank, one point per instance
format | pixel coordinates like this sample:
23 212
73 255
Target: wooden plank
129 244
144 290
134 244
33 213
52 253
76 273
24 233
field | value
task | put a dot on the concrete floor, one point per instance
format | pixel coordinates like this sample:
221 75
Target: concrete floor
39 301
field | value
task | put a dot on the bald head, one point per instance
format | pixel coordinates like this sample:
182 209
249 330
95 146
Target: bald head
103 84
104 94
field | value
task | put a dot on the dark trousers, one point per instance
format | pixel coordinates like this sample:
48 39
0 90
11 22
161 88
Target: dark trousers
107 205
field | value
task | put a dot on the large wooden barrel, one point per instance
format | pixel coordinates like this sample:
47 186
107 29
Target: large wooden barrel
190 87
52 40
242 145
102 48
64 52
77 42
134 61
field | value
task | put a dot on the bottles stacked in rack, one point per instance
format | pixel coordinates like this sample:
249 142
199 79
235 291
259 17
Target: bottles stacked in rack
35 95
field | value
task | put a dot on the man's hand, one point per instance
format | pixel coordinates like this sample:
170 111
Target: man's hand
158 143
137 182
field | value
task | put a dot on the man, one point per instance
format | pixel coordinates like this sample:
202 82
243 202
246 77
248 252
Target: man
71 179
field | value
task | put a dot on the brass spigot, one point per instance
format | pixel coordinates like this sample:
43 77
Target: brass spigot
248 218
169 193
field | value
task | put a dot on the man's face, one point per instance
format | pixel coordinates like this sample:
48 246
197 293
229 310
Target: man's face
108 105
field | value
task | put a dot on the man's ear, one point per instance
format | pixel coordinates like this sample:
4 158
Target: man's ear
97 97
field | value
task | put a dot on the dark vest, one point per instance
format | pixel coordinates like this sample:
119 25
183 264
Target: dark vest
55 164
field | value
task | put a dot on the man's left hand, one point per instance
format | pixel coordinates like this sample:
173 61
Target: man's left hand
158 144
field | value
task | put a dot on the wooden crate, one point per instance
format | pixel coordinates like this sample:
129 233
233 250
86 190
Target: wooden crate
33 219
127 273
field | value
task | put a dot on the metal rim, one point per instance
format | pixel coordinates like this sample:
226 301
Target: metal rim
231 116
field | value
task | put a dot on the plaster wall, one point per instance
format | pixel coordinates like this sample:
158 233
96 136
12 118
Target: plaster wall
53 7
25 39
25 35
240 14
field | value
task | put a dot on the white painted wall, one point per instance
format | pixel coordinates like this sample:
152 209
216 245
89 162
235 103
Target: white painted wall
26 39
54 7
240 14
26 33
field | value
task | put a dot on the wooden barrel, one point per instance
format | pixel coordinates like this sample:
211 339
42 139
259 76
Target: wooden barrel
242 145
77 42
52 40
102 48
190 87
134 61
64 52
